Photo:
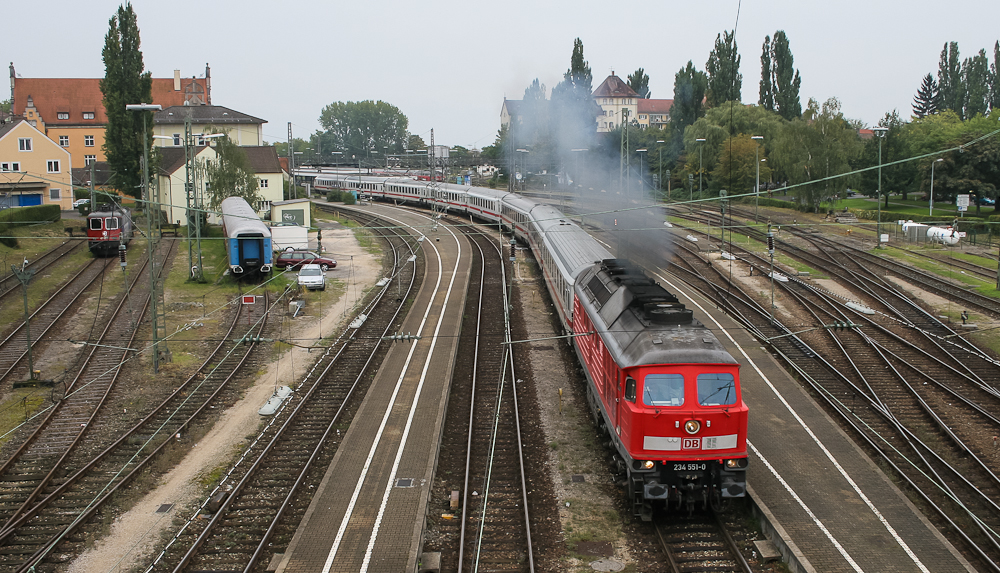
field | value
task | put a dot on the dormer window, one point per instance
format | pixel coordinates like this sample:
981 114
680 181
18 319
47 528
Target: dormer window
62 115
88 115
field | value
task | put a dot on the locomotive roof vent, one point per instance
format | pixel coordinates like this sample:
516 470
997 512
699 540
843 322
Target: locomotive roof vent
667 313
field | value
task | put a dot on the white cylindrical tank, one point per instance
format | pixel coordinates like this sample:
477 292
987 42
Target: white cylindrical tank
945 236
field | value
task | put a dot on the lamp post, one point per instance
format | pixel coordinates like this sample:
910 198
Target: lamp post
336 158
756 156
700 148
641 152
931 211
880 133
660 178
143 107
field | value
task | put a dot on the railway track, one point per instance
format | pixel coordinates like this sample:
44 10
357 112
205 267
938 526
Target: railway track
47 316
9 285
904 412
42 458
700 542
92 480
483 444
264 497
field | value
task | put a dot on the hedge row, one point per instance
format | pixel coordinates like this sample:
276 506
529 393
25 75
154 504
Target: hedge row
345 197
20 216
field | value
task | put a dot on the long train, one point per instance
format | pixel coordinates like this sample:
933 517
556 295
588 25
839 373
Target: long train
659 382
248 239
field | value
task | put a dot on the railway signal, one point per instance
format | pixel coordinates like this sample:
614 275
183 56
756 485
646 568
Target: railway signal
121 255
513 250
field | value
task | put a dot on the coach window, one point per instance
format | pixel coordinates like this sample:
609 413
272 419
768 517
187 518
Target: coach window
716 389
630 389
663 390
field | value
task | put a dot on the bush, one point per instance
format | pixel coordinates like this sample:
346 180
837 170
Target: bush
345 197
21 216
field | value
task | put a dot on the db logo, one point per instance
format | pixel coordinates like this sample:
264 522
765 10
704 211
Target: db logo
691 444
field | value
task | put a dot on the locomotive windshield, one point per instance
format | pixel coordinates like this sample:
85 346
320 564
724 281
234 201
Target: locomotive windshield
663 390
111 223
95 223
716 389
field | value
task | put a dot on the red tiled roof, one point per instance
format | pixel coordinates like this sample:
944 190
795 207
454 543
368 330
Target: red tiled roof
866 133
614 87
655 105
77 96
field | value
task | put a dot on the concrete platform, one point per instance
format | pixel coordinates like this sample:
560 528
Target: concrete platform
368 514
830 507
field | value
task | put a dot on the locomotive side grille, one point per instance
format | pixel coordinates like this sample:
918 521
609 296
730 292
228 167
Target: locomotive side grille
599 290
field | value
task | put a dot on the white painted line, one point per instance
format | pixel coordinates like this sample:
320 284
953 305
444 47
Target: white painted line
413 409
818 443
385 418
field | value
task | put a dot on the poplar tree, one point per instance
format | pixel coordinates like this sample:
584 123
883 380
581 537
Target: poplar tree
950 84
725 82
995 78
766 100
125 83
573 105
785 78
639 82
926 101
689 93
976 77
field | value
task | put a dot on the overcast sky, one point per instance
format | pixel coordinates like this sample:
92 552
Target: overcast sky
447 65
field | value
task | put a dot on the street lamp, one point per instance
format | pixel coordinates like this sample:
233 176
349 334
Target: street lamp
700 147
143 107
336 160
880 133
660 179
640 152
931 211
756 198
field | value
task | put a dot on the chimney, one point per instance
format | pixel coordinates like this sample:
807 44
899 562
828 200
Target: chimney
177 80
208 84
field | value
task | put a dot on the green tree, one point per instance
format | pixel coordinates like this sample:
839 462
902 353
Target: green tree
639 82
360 128
926 101
125 83
689 95
995 78
736 170
766 100
895 146
572 109
950 85
785 80
819 144
415 142
976 76
5 105
230 174
725 82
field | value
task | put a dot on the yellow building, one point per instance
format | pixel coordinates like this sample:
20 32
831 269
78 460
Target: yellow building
168 125
34 170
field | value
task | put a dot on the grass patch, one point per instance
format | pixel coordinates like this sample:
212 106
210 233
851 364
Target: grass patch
20 405
589 521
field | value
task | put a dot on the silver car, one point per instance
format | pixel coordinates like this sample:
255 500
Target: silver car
312 277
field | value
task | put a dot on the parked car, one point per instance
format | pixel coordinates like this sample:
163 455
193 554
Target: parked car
312 277
295 259
986 201
79 202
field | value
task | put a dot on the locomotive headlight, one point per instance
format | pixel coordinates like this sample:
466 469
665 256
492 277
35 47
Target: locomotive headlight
648 464
735 464
692 426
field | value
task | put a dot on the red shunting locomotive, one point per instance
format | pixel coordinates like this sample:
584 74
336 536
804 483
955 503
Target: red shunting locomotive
108 227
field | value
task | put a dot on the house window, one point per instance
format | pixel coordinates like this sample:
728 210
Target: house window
52 165
201 140
262 183
642 117
15 166
177 140
63 141
24 143
88 140
88 115
55 194
88 159
62 115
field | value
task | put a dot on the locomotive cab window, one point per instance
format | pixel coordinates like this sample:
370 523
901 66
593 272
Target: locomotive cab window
716 389
111 223
663 390
630 389
96 224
